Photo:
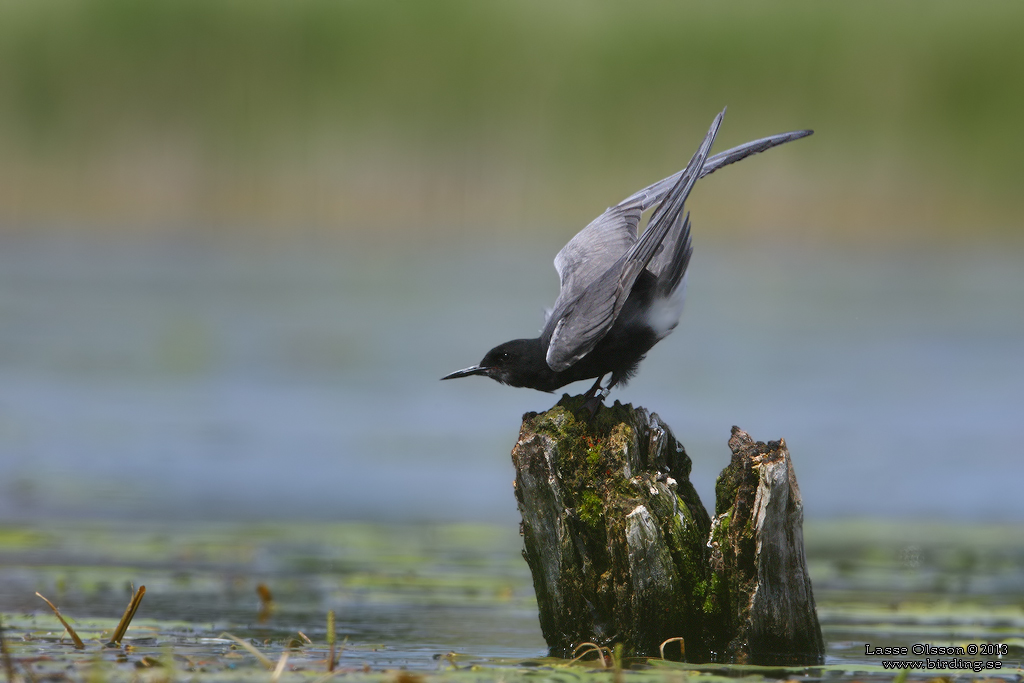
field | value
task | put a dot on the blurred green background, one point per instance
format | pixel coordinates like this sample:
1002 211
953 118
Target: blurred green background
202 203
459 118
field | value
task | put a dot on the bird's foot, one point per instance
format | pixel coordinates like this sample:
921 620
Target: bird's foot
596 401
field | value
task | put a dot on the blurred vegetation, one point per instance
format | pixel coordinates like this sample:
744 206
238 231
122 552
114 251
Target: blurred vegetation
477 115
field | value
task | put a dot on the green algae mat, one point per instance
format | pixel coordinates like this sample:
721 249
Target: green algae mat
455 602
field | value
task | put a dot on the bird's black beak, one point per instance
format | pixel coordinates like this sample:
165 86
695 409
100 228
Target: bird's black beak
466 372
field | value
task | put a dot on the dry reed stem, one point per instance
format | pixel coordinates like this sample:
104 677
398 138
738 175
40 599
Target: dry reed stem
332 638
251 650
129 614
682 646
267 606
79 645
588 648
279 669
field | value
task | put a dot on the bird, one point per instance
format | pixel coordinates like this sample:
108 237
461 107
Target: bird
620 294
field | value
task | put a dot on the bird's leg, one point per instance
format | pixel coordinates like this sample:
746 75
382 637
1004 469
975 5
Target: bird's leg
592 391
594 396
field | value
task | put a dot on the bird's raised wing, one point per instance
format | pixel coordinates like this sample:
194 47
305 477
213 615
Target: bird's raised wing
578 323
596 248
652 194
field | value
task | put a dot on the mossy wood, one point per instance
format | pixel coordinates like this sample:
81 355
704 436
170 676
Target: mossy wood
757 551
622 550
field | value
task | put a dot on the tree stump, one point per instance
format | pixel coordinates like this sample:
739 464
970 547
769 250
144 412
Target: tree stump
622 550
757 543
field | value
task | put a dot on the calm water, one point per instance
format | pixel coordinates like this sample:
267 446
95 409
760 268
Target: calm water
407 595
171 381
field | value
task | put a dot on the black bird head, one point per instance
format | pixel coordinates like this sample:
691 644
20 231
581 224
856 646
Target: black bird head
518 363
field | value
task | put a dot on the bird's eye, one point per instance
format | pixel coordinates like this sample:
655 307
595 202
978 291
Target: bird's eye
504 355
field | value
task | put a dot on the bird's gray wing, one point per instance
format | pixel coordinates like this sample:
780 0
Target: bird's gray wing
596 248
669 265
576 325
652 194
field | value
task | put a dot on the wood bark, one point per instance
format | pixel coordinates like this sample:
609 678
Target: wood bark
622 550
758 555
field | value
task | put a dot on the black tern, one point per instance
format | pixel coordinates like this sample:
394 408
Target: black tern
619 295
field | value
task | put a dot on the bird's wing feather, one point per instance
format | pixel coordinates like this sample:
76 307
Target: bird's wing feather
576 325
596 248
652 194
669 265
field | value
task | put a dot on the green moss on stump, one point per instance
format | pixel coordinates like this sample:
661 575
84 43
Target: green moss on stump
622 557
623 552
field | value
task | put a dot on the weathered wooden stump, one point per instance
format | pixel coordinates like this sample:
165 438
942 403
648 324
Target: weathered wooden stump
615 534
757 543
622 550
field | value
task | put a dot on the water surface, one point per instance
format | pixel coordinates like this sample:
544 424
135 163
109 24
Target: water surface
407 596
185 381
